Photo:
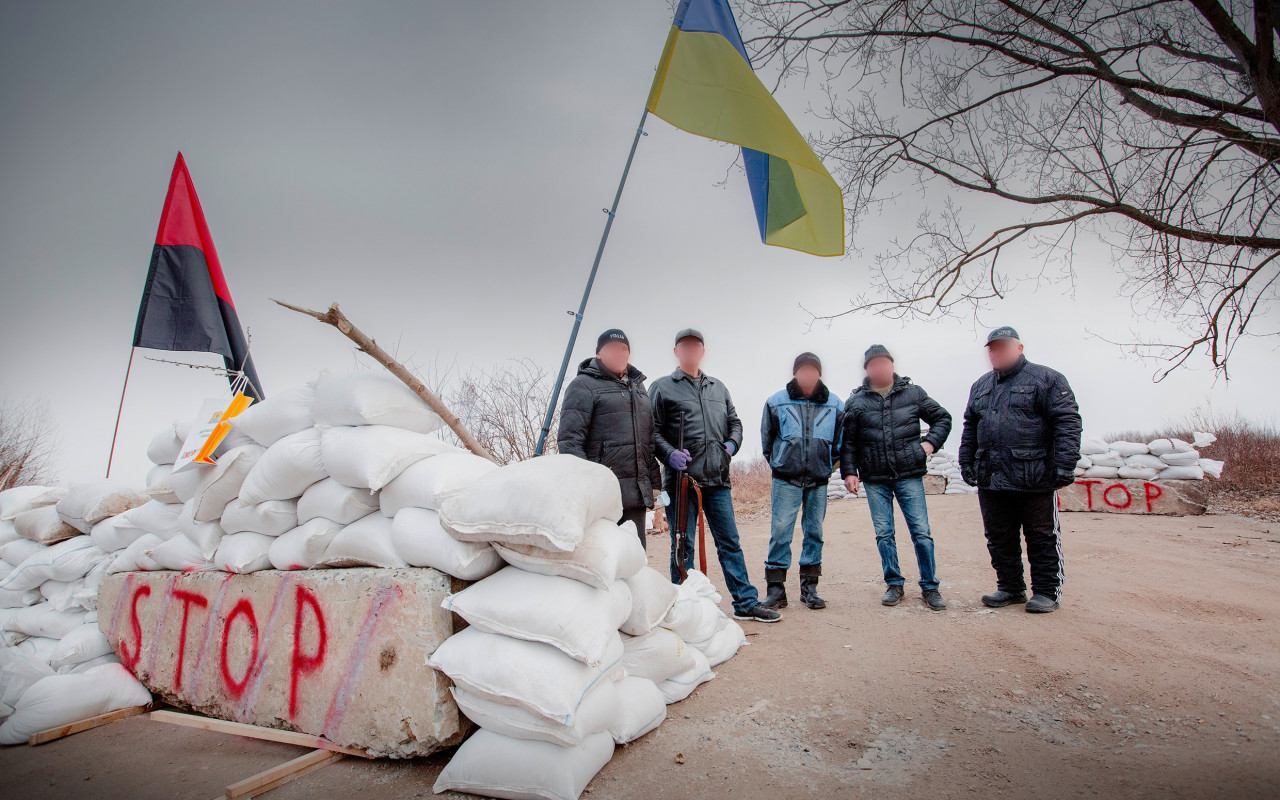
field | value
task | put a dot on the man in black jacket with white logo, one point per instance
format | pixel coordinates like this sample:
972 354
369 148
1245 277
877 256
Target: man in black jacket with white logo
1020 444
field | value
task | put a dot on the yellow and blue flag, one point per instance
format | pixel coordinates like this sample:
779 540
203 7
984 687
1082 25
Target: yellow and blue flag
706 85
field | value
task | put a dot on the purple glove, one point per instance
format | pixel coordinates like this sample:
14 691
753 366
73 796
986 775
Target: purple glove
729 448
679 459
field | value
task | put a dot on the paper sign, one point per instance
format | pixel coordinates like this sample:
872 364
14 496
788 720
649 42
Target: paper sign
209 429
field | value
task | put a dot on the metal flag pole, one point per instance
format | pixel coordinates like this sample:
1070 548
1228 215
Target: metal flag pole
586 293
120 410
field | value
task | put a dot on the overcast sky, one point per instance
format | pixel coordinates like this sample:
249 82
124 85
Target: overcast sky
439 169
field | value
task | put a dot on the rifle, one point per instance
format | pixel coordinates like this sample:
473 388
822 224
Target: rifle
682 511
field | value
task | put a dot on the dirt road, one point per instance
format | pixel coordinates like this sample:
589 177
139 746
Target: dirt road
1160 677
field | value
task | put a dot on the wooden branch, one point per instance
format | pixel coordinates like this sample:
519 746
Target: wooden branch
368 346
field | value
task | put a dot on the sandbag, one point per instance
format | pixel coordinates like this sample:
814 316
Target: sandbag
286 469
364 543
607 553
270 518
155 517
597 712
134 558
1091 445
87 504
19 550
180 554
371 456
304 546
43 525
1159 447
657 655
681 686
696 619
426 483
548 683
205 535
641 708
579 620
61 595
1201 439
63 699
1102 472
41 647
19 598
1084 463
336 502
370 398
1181 458
724 644
419 539
1108 460
1137 473
223 484
268 421
66 561
546 502
40 620
20 668
1127 449
1145 460
160 484
8 531
186 482
494 765
1180 446
85 666
1211 467
166 445
81 644
1189 472
87 594
25 498
243 552
652 596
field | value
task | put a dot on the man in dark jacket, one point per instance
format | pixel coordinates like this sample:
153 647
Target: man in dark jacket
697 430
607 418
1020 443
800 432
883 448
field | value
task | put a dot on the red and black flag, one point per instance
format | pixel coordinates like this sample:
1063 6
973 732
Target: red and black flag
186 304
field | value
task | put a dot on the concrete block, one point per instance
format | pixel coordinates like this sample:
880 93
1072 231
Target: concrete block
336 653
935 484
1175 498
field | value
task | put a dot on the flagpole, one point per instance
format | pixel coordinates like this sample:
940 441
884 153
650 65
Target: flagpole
586 293
120 411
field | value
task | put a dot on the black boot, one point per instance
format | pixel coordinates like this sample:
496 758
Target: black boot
809 586
1000 598
775 588
892 596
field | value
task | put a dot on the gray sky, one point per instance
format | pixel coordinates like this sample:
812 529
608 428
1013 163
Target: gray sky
439 169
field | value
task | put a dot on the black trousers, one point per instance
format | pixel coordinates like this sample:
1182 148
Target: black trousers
1008 517
636 515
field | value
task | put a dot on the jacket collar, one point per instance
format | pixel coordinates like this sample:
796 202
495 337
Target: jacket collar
594 368
1005 374
899 383
820 393
681 375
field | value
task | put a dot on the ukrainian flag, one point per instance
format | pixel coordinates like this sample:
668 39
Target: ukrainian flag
705 85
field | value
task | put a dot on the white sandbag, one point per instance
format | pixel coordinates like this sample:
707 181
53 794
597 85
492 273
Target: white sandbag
1188 472
1102 472
578 619
546 502
166 445
81 644
206 535
19 598
1180 446
160 484
1091 445
180 554
8 531
695 619
724 644
652 595
493 765
364 543
1145 460
681 686
60 595
187 482
268 421
243 552
336 502
304 546
1159 447
41 647
286 469
597 712
548 683
657 655
607 553
426 483
1137 473
1181 458
641 708
40 620
87 504
20 668
85 666
371 456
63 699
134 558
1084 463
418 538
1211 467
270 518
1127 449
1108 460
370 398
5 569
24 498
1201 439
223 484
155 517
66 561
43 525
19 550
87 595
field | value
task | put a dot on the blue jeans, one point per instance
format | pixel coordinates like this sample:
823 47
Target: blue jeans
717 504
910 494
787 500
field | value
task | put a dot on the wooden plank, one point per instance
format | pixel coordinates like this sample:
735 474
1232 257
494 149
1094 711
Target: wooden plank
253 732
279 775
85 724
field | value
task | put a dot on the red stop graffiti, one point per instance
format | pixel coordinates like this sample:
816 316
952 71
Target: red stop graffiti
303 663
1117 495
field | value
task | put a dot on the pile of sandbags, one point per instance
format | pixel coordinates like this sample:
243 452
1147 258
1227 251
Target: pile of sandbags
602 641
946 464
1158 460
56 667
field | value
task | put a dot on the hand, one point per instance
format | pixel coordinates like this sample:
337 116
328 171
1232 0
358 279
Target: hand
729 448
679 459
851 483
969 477
927 447
1063 479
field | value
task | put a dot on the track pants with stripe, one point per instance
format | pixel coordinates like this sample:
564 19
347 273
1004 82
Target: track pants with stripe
1008 517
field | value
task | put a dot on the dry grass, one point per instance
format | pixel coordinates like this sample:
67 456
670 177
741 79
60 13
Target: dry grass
752 482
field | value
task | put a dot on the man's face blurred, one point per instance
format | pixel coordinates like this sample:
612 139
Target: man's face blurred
689 352
807 378
1004 353
614 356
880 371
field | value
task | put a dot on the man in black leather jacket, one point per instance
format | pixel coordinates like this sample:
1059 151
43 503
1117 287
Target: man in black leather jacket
1020 443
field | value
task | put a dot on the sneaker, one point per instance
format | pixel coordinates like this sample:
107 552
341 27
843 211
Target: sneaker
892 596
1041 604
1000 598
758 613
933 599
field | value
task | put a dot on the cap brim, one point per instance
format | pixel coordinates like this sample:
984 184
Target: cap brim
1002 339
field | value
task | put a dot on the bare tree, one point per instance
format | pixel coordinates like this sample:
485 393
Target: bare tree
26 444
1153 125
503 407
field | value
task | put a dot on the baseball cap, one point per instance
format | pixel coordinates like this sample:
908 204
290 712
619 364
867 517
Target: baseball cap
1003 332
687 332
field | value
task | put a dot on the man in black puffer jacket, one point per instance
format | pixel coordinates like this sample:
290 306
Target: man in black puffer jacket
607 418
882 447
1020 443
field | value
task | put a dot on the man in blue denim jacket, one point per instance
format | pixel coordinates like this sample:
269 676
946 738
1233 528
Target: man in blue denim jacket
800 432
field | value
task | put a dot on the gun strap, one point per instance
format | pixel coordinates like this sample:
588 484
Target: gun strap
702 528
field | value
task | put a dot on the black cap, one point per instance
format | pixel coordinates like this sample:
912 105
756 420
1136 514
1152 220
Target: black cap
687 332
1003 332
806 358
612 335
875 351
